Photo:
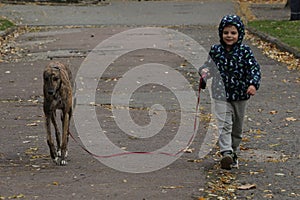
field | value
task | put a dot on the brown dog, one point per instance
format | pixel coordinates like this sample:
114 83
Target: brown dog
58 95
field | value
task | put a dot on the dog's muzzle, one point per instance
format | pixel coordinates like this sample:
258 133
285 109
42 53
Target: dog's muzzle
51 92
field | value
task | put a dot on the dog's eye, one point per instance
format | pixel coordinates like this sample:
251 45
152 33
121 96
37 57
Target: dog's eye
55 79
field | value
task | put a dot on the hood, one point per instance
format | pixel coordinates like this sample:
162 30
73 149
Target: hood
232 20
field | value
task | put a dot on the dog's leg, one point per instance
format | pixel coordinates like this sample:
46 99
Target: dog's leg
49 138
64 138
57 135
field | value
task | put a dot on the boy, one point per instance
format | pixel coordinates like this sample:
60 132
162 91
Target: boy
236 77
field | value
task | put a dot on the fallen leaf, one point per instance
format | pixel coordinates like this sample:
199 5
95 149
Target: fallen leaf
54 183
18 196
172 187
247 187
273 145
290 119
273 112
32 124
270 196
188 150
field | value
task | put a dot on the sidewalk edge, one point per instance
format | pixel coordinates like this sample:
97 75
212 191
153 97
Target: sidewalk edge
280 45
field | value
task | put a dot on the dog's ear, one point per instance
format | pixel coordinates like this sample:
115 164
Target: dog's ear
45 76
56 68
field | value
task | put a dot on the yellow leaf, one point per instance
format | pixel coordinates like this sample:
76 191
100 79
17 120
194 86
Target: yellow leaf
258 131
290 119
273 145
273 112
54 183
20 196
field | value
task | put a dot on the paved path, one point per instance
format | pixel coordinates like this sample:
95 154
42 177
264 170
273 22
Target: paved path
122 13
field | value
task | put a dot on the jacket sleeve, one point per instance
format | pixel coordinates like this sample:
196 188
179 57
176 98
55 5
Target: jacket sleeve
253 69
209 64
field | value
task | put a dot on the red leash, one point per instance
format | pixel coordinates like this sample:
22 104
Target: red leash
145 152
198 103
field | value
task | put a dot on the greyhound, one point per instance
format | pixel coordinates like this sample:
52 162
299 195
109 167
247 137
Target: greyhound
58 95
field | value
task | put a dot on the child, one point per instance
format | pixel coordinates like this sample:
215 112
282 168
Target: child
236 77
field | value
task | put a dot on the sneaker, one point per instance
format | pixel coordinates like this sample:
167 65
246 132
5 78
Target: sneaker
235 163
227 161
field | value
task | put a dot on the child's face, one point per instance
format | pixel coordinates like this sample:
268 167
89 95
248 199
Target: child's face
230 35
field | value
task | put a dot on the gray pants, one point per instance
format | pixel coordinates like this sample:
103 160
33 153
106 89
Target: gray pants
230 117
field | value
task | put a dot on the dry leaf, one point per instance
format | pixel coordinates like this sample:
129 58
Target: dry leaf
273 112
270 196
274 145
32 124
188 150
18 196
290 119
247 187
54 183
172 187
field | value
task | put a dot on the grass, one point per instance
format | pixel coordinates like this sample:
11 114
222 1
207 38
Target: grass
5 24
287 32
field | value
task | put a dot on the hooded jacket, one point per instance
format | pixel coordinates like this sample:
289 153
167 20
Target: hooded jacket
234 71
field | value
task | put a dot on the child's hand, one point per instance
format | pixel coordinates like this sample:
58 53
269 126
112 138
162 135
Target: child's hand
251 90
204 71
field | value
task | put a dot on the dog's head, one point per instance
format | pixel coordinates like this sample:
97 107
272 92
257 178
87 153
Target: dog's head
52 80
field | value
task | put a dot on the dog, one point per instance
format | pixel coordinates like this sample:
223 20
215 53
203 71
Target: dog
57 88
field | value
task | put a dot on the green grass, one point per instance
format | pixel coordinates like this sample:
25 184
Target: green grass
286 31
5 24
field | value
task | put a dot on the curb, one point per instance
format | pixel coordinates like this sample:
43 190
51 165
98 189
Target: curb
280 45
41 3
8 31
265 37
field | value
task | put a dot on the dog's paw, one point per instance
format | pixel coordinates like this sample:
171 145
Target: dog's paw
59 161
63 162
56 160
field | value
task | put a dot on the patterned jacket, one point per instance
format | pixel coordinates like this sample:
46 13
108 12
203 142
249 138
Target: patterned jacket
233 72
